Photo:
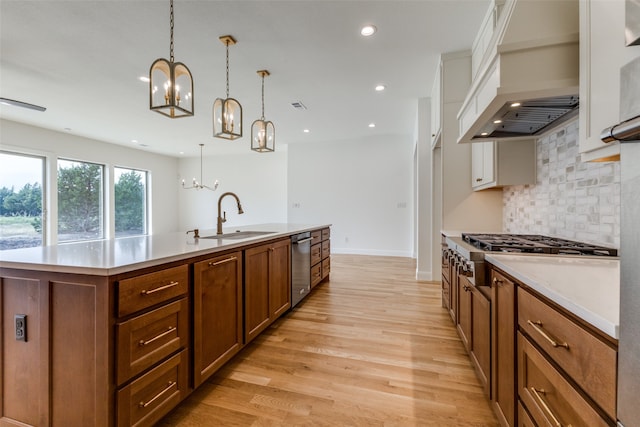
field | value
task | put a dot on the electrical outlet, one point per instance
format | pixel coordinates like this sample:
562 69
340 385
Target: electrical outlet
21 327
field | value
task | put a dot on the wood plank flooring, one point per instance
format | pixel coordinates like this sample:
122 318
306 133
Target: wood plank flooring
370 347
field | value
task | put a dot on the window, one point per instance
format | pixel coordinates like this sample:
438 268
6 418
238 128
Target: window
80 196
21 200
130 192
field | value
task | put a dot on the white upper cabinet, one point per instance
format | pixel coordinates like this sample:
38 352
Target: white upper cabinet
500 163
602 53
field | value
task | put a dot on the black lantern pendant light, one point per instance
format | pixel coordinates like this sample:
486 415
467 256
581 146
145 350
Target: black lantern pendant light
263 133
170 84
227 113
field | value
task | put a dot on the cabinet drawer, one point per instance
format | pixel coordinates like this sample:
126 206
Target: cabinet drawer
316 235
326 249
145 340
524 420
153 395
326 267
316 274
549 397
316 253
138 293
588 361
326 233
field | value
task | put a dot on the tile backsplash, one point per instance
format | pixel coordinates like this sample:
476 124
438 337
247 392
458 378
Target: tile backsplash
571 199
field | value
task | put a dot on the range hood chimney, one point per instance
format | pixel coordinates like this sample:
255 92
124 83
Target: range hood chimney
528 78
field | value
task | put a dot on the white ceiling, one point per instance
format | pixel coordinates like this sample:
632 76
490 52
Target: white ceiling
82 59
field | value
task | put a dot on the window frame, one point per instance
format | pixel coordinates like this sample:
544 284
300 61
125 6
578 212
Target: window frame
104 202
44 217
146 201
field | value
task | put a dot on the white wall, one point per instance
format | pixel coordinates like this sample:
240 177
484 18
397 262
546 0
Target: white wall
162 169
363 188
259 180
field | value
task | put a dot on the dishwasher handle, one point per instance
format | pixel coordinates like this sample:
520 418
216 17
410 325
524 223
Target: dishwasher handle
299 242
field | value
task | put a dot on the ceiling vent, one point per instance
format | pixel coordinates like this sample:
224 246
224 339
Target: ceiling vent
298 105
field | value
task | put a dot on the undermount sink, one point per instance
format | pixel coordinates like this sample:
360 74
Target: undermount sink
238 235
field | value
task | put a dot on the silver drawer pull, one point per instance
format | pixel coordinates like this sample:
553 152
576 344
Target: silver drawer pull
546 408
538 327
171 329
211 264
161 288
299 242
157 396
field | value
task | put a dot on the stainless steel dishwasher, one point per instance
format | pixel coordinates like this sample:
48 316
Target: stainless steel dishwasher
300 267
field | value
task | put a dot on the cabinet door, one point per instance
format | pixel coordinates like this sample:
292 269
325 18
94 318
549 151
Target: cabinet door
279 277
600 79
256 291
464 311
481 336
217 309
482 163
503 392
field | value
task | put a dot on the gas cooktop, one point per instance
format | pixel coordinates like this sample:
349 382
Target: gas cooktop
532 243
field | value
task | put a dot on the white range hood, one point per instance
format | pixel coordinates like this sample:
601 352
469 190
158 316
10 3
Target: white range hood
528 77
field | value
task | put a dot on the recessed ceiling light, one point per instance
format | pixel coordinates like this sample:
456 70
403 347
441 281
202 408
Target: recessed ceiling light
181 152
144 79
516 104
484 134
497 121
306 131
368 30
372 125
380 88
135 141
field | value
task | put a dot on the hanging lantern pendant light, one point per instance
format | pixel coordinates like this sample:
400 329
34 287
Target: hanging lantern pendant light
227 113
170 84
263 133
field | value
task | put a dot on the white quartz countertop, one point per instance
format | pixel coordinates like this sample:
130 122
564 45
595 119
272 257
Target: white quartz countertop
107 257
587 287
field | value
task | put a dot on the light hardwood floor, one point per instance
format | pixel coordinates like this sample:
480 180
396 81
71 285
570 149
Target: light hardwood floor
370 347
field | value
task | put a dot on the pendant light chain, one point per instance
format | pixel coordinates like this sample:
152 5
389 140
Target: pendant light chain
171 32
227 43
262 118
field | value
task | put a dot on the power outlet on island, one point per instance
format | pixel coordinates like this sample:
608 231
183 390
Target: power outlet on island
21 327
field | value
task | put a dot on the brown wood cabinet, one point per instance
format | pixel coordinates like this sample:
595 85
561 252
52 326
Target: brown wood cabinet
584 357
60 374
217 313
320 255
465 316
151 337
474 328
503 341
267 290
548 396
446 281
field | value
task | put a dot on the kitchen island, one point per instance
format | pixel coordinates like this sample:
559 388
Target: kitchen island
119 332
